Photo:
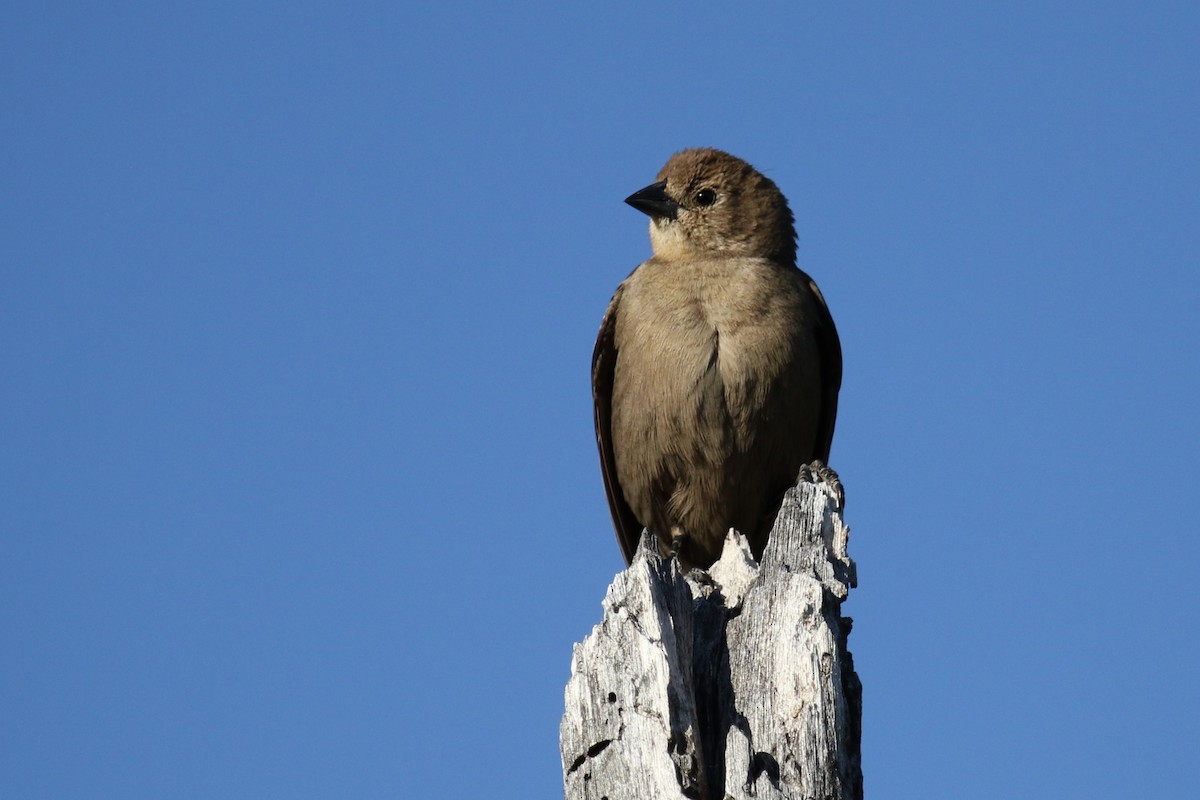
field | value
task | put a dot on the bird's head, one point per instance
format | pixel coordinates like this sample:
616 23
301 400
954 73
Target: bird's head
706 201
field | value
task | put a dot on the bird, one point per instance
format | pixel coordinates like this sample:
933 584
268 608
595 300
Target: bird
717 367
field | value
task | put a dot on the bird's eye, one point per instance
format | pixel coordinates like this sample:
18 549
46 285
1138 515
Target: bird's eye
706 197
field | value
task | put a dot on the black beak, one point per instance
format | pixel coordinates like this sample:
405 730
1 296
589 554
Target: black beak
653 200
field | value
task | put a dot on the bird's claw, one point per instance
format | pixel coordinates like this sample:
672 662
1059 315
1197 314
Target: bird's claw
820 472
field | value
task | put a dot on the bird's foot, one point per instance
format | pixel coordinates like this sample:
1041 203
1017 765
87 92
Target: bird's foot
676 543
820 472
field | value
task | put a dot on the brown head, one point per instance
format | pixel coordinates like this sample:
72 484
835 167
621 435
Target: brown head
706 201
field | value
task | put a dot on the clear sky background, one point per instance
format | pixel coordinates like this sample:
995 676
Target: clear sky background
298 487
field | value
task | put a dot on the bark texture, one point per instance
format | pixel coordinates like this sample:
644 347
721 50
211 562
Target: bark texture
734 683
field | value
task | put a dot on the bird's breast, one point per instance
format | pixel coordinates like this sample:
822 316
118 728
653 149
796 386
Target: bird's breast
705 343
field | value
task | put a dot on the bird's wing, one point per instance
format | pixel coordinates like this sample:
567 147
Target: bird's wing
830 348
604 363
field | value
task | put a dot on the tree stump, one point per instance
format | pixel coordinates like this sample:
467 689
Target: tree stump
730 683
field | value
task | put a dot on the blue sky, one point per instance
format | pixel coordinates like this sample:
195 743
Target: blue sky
298 490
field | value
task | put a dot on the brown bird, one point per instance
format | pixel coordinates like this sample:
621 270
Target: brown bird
717 368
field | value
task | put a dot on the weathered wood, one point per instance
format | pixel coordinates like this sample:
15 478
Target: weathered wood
735 683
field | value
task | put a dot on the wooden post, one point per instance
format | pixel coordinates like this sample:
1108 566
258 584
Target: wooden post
734 683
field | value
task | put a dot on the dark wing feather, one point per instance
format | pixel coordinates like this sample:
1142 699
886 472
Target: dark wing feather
830 348
604 363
